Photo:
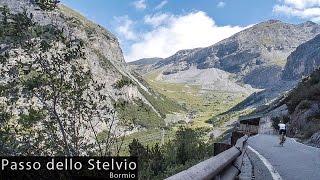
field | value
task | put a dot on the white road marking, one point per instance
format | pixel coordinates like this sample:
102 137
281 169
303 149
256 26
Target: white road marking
274 173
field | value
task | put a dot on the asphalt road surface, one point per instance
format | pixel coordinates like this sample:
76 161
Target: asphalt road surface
293 161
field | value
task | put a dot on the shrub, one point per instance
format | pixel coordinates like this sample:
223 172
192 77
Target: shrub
310 129
306 90
47 5
305 104
31 118
4 116
124 81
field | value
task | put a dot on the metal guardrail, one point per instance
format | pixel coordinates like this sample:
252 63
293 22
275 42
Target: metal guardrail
224 166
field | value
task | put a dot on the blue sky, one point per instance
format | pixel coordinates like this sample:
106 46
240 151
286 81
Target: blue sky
158 28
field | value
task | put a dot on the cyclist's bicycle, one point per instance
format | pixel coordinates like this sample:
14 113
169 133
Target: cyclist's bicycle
282 139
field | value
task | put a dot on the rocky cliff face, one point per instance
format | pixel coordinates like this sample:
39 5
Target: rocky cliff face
64 79
143 66
255 55
302 109
303 61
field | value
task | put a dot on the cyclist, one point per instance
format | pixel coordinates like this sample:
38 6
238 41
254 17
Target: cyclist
282 132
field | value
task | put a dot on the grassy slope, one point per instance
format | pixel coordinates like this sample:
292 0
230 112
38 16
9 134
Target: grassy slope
205 106
142 114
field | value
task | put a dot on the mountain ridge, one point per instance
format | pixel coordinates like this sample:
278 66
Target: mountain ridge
256 55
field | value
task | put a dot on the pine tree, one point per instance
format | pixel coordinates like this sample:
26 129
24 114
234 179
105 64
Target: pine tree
188 143
157 164
136 149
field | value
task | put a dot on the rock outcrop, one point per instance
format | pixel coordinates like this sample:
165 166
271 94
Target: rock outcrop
143 66
301 109
303 61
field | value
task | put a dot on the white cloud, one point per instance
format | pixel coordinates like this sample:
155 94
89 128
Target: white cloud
302 4
221 4
171 33
158 19
161 4
304 9
140 4
125 28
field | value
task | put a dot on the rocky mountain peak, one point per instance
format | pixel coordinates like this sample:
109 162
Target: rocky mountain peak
309 23
272 21
256 55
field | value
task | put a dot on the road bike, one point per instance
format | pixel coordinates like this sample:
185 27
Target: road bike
282 139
